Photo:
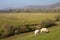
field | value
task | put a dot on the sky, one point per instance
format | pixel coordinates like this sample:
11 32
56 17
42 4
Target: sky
22 3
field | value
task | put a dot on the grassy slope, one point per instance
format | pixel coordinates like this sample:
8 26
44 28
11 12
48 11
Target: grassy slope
31 18
53 35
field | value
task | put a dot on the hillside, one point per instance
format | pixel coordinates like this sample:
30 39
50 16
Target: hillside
56 5
51 6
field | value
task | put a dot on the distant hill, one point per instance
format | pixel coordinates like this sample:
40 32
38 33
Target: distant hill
52 6
55 6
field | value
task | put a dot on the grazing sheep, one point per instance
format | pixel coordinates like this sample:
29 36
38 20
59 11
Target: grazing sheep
36 32
44 30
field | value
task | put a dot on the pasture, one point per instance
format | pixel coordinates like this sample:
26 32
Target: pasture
25 18
31 18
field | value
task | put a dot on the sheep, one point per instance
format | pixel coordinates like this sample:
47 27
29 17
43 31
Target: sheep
36 32
44 30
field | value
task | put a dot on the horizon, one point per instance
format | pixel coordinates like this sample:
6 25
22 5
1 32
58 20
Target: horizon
6 4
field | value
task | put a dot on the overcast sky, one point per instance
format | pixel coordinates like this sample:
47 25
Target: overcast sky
21 3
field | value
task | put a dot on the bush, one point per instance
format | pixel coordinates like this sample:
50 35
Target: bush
5 28
17 30
37 26
24 29
57 18
1 33
31 27
11 30
8 30
47 23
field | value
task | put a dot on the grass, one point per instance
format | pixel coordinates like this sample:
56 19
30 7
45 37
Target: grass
53 35
25 18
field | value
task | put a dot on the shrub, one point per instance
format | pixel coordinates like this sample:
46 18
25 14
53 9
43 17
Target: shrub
37 27
57 18
24 29
47 23
11 30
17 30
1 33
5 28
31 27
8 30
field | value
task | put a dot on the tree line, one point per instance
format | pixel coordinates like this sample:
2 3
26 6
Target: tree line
31 11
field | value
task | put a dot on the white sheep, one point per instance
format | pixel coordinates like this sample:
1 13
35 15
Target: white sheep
44 30
36 32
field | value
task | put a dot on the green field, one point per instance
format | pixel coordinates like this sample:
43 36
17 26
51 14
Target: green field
22 18
29 18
